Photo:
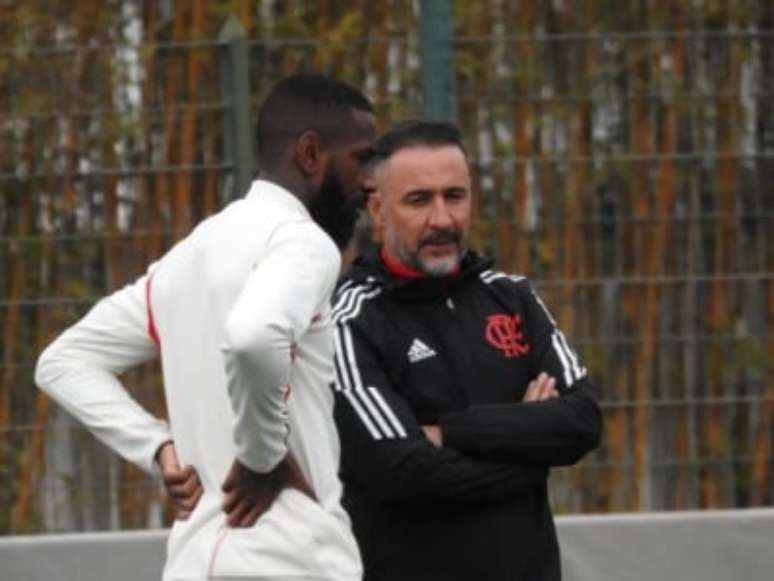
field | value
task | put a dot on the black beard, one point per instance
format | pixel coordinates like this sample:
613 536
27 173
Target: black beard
333 212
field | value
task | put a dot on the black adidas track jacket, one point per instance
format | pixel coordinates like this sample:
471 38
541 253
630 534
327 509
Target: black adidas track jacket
459 352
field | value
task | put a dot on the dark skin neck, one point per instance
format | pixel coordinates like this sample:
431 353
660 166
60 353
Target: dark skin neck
290 180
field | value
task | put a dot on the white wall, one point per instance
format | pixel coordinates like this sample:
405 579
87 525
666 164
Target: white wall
677 546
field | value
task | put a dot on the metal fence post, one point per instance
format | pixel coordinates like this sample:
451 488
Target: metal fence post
238 128
436 28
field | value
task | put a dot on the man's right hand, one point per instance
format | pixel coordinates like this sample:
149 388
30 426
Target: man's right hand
181 483
541 388
249 494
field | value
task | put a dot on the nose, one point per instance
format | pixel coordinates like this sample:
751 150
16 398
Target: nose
367 185
440 217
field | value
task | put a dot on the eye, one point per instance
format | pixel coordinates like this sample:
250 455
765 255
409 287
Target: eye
455 195
416 198
365 156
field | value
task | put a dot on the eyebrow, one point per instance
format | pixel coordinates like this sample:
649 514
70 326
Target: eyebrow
366 154
425 191
418 192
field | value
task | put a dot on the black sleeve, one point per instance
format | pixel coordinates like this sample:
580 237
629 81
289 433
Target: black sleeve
555 432
385 455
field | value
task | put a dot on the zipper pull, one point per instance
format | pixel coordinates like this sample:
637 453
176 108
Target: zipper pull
450 303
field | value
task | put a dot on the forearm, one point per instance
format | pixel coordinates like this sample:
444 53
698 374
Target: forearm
256 380
554 432
80 371
411 469
287 288
96 398
456 479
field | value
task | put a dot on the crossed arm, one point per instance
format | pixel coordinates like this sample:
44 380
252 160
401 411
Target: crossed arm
542 388
388 457
558 420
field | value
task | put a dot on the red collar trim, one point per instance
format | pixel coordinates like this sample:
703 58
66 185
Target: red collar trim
397 268
400 270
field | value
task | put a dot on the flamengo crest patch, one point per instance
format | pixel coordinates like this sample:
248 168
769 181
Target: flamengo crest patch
504 333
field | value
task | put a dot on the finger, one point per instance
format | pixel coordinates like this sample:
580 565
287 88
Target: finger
185 489
194 498
198 491
297 481
184 506
230 480
543 380
547 392
194 484
549 388
543 391
553 392
179 476
238 512
532 390
178 483
247 512
189 502
252 516
231 501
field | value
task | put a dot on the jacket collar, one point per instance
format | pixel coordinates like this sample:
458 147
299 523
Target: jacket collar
370 268
266 190
396 268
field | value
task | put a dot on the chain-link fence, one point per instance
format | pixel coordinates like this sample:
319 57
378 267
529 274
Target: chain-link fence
623 153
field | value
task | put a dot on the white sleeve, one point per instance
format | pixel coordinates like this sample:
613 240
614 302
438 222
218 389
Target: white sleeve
79 371
285 290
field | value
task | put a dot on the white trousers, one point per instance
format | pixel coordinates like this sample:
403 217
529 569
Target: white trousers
267 579
296 540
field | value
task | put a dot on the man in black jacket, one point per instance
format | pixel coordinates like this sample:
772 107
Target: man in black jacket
455 390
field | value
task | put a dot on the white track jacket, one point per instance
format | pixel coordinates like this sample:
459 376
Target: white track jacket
239 312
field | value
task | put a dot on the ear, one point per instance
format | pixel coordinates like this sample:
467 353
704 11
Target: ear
310 154
376 212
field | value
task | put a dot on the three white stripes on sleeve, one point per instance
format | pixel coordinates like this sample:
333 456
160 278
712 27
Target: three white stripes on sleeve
570 367
373 410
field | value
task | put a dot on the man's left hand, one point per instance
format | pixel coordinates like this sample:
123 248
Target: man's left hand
542 388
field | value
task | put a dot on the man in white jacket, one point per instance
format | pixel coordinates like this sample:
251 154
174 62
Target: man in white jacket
239 314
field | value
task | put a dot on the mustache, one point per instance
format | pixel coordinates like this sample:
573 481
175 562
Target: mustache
442 237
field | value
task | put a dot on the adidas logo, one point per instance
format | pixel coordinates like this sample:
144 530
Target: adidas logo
419 351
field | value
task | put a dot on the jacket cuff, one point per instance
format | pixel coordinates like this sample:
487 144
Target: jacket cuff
261 460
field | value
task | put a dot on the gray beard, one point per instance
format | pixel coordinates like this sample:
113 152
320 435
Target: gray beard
411 259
